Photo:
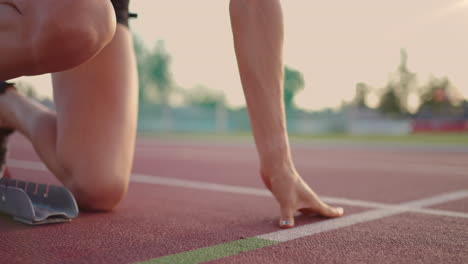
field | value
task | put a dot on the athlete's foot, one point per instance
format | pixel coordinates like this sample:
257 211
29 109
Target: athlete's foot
293 194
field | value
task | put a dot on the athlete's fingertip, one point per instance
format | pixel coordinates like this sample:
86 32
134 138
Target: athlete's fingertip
285 223
339 211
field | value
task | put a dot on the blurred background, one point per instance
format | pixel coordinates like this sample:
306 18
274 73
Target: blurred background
353 69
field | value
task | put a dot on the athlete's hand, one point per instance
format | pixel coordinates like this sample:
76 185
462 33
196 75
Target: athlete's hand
293 194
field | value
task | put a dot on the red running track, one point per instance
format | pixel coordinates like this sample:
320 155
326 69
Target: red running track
156 220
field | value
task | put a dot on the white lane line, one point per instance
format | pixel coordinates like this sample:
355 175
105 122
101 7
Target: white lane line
332 224
359 203
434 200
439 212
414 206
328 225
190 184
390 167
202 155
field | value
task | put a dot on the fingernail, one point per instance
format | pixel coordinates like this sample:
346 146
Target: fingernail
340 210
285 223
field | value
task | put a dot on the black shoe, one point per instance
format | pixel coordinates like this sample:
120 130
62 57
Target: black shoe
4 86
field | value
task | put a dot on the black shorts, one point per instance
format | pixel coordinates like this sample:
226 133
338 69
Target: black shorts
121 11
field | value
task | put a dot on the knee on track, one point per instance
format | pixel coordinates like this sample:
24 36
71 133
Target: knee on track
98 195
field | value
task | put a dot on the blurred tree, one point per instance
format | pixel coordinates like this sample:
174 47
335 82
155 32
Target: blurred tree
141 55
390 103
28 90
204 97
394 99
405 80
158 67
154 74
438 97
155 81
293 83
362 89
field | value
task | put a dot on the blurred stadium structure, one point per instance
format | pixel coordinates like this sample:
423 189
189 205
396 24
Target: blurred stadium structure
440 107
353 120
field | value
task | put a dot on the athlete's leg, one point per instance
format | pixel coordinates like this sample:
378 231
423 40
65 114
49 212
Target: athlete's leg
89 143
96 118
42 36
258 39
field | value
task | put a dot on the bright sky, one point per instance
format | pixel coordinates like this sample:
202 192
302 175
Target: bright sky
335 44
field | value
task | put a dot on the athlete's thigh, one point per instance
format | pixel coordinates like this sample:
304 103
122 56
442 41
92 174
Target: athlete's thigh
96 106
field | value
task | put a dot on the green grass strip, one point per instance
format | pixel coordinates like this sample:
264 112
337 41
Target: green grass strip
213 252
426 139
449 139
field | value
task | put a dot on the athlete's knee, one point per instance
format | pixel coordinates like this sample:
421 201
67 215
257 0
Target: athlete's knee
98 194
70 32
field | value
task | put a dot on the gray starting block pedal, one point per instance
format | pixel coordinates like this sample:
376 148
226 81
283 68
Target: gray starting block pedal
36 204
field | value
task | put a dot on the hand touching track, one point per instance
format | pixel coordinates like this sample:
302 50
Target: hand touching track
258 41
294 194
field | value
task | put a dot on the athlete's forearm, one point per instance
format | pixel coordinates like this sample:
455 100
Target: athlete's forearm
258 40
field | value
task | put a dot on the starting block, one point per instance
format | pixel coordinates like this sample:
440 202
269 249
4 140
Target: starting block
36 204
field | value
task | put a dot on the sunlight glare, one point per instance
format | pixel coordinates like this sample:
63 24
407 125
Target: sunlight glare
453 8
